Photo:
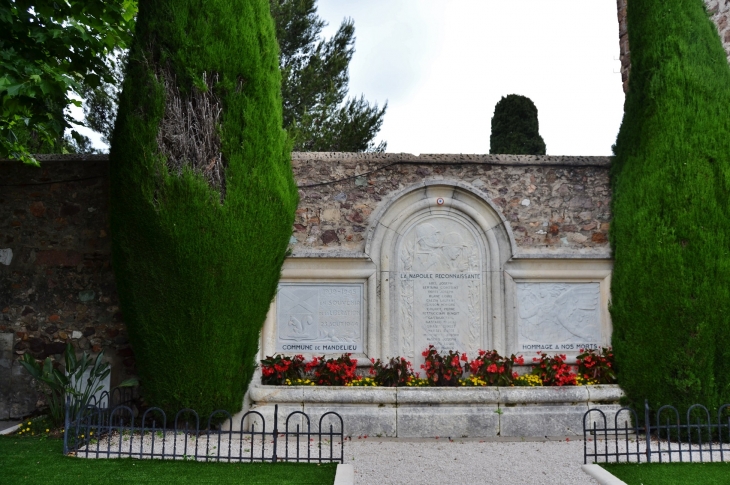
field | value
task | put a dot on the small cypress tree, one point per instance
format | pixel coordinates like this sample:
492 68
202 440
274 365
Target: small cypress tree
202 197
515 129
671 210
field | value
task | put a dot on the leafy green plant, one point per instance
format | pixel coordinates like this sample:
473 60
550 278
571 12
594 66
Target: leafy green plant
51 49
395 373
443 370
597 365
279 369
553 371
60 384
494 369
333 372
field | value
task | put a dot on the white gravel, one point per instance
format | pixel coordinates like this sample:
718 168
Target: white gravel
406 462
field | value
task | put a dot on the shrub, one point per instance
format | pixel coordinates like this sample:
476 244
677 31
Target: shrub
202 197
670 178
443 370
515 129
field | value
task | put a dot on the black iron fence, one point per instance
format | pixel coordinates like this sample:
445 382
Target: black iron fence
111 432
664 437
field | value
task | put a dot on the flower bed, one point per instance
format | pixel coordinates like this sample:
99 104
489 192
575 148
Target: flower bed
457 397
594 366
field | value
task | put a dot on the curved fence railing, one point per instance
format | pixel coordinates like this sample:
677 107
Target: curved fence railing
664 437
111 432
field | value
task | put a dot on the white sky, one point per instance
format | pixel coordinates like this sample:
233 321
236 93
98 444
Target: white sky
442 65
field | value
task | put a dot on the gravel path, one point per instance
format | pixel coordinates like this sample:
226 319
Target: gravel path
405 462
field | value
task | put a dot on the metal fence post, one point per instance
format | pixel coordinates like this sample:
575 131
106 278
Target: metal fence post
276 430
66 424
647 427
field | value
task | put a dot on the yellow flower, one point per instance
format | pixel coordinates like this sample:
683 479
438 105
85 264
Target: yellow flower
47 430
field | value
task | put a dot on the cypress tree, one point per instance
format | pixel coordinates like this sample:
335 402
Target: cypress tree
671 210
202 197
515 129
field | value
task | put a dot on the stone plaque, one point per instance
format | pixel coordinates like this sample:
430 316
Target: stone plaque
557 317
440 285
319 318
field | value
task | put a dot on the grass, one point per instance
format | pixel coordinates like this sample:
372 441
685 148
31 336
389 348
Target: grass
41 461
671 473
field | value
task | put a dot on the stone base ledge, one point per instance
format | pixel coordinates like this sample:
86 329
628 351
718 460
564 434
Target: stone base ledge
506 396
425 412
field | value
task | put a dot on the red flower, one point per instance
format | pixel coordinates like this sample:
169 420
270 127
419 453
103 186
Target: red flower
492 368
464 358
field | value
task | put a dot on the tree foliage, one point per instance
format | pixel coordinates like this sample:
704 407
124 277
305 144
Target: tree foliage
315 83
202 197
671 206
515 129
51 48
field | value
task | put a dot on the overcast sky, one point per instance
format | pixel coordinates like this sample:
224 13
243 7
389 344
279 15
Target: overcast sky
442 65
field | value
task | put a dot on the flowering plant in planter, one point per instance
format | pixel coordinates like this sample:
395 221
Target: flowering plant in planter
398 372
443 370
279 369
597 366
333 372
494 369
553 371
527 380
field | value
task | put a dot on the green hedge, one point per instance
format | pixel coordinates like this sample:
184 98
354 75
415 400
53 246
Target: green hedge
197 262
515 128
671 210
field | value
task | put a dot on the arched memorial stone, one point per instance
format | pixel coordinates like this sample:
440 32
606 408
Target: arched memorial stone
441 285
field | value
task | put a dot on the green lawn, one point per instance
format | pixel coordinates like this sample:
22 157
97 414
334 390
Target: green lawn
671 473
35 461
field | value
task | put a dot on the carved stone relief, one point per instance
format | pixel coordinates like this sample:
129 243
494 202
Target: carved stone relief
558 316
319 318
441 287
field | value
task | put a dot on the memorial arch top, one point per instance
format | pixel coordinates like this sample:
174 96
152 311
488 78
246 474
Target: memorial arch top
440 250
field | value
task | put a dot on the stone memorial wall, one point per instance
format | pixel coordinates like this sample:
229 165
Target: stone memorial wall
456 251
390 253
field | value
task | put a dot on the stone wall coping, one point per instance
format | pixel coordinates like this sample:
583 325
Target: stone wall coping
393 158
608 393
453 158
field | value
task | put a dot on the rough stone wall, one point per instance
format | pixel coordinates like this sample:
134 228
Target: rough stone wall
58 287
719 11
555 205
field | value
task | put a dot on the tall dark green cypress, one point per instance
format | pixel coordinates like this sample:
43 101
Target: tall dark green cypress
515 128
671 210
202 197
